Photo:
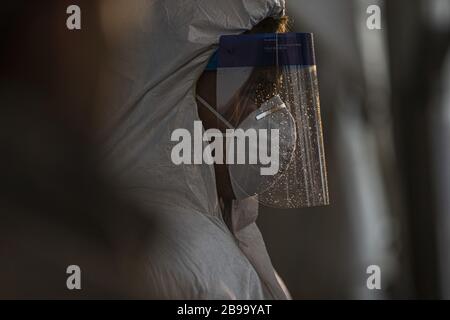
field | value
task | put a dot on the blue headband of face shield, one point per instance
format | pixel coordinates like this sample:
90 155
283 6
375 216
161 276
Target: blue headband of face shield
251 50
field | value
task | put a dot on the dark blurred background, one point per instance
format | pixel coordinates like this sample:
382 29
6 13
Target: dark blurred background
385 98
57 208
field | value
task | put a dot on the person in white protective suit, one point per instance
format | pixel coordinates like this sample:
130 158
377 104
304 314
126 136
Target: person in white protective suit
197 255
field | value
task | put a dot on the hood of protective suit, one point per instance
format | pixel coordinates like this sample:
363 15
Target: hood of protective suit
154 70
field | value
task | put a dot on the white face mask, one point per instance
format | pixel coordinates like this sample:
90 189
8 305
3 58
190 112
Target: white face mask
275 128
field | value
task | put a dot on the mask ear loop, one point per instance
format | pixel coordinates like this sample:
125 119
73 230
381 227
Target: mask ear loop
218 115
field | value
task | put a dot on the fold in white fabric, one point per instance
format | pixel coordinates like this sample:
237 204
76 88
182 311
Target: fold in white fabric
155 69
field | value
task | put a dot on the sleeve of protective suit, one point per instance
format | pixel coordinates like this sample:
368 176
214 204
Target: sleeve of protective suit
155 69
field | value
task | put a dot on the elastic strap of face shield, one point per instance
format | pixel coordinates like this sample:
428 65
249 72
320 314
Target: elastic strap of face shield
218 115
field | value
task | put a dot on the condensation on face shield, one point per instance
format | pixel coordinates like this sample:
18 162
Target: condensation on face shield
304 183
268 83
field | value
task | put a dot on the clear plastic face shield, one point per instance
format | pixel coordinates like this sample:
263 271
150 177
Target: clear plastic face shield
267 97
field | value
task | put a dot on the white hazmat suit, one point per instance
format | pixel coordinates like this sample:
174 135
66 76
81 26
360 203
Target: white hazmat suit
155 70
